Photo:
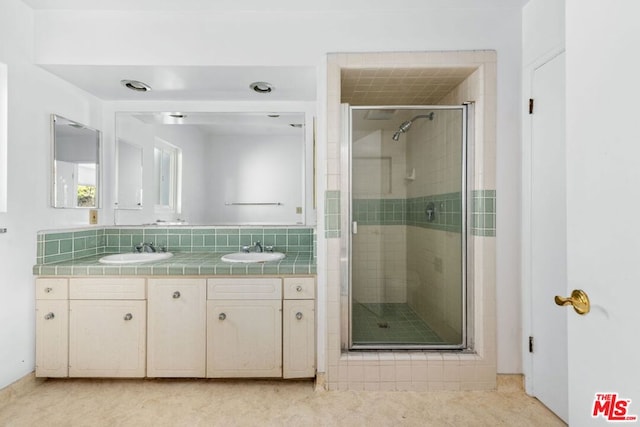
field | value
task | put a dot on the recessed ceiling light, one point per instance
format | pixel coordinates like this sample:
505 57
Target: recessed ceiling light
295 125
275 116
261 87
135 85
177 115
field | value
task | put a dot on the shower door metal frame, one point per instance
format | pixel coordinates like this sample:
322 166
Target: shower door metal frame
347 225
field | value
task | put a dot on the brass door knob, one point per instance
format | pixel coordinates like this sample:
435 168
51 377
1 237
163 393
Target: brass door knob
578 299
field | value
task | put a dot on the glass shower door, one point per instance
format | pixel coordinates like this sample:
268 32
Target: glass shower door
408 227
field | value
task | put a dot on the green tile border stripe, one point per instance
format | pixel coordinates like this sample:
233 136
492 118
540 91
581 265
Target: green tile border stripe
448 212
332 214
483 213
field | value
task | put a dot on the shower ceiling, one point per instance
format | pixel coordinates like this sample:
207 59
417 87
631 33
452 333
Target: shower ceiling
400 86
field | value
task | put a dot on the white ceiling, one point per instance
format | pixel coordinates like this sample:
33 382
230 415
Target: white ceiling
270 6
197 83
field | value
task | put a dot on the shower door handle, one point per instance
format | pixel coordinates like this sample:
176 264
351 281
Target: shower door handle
354 227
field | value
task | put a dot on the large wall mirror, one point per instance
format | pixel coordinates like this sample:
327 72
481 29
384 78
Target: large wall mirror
221 168
76 164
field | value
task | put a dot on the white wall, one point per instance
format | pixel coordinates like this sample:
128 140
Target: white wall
254 169
228 38
33 95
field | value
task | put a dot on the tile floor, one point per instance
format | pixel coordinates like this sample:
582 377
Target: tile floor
382 323
90 402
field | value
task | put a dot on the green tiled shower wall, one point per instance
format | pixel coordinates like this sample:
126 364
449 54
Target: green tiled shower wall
448 212
66 246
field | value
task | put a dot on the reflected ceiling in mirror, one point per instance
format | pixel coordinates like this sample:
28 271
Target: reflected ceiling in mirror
233 169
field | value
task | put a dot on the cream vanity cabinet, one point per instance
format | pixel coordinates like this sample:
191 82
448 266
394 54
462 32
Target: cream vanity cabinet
221 327
107 327
176 327
244 327
52 328
299 328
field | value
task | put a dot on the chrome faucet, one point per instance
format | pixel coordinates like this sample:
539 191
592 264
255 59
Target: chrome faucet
145 247
256 247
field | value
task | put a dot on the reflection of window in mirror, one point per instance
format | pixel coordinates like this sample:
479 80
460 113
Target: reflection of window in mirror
76 184
167 161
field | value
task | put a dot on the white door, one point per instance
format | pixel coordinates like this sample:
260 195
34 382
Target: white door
603 209
547 261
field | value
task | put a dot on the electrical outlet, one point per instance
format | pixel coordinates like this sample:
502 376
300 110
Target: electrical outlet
299 210
93 216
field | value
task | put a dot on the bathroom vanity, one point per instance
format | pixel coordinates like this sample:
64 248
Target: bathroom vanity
176 326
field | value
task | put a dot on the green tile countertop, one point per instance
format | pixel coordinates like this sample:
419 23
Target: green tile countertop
181 264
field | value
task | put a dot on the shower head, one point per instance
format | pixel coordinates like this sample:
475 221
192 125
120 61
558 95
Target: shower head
404 127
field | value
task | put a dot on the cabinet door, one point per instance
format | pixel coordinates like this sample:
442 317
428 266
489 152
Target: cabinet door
107 338
176 332
244 338
299 339
52 338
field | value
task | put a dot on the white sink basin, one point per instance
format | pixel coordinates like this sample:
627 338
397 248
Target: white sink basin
251 257
135 258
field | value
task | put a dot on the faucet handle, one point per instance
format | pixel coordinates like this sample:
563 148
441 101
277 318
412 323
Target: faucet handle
268 248
245 248
138 247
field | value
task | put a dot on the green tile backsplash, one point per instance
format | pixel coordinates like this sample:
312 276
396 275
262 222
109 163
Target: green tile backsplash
56 247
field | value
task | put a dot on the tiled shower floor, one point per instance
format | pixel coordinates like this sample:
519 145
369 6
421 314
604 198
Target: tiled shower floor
389 323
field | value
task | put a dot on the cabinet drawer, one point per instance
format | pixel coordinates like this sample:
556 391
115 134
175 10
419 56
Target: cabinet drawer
51 289
244 289
107 288
299 288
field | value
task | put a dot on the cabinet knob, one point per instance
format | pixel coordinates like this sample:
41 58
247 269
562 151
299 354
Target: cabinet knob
176 295
299 288
49 316
128 316
298 315
47 290
222 316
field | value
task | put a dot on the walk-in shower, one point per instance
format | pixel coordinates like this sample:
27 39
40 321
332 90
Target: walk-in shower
407 242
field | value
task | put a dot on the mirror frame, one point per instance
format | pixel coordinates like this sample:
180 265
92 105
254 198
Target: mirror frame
98 135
